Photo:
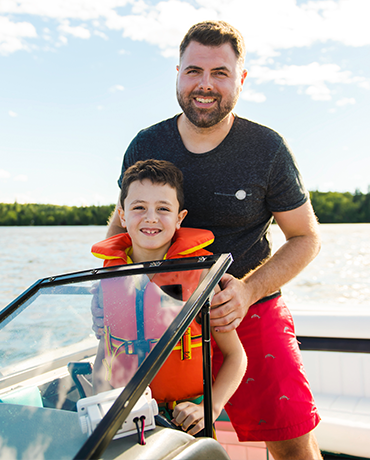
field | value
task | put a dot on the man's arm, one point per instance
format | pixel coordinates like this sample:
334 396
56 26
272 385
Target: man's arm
301 247
114 228
114 223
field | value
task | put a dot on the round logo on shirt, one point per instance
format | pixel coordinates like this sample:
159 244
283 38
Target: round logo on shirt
241 194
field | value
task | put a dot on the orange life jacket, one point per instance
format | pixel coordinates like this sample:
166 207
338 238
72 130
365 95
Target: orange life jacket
135 322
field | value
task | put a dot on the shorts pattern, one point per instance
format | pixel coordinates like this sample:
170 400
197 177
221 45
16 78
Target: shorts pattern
274 401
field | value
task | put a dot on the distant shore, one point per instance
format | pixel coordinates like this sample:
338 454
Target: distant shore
330 207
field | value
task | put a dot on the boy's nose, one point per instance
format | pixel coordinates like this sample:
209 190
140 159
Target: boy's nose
151 216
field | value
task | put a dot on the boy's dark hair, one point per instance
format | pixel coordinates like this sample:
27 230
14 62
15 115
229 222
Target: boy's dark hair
215 33
158 172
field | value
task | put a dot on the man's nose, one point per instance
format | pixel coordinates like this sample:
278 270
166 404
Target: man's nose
205 83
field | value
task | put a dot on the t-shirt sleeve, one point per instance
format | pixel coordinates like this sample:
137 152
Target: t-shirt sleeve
286 190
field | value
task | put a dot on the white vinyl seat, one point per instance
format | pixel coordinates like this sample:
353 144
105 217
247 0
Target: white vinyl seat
340 381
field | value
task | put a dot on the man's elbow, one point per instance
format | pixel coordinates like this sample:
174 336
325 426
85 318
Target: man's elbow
314 243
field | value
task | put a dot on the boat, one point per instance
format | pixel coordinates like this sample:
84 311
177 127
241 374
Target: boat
48 349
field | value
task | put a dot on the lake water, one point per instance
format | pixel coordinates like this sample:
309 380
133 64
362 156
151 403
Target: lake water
339 278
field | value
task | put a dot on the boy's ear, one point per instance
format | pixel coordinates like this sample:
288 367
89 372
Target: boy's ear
180 218
121 214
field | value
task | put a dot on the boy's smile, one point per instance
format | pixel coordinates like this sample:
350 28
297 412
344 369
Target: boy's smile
151 216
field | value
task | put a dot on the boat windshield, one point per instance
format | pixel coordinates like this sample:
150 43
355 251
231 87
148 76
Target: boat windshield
50 358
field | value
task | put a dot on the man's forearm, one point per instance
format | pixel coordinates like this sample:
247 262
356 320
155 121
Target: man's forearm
114 224
283 266
231 304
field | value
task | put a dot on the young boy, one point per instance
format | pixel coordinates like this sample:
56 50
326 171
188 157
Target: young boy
152 212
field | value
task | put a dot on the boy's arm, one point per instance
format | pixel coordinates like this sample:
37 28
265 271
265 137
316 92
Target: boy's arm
227 381
99 382
231 371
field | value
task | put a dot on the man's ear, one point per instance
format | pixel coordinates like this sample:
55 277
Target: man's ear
244 76
121 214
177 67
180 218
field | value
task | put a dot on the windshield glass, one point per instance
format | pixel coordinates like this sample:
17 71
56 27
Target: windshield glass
56 325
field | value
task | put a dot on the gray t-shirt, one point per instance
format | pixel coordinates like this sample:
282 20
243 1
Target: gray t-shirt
231 190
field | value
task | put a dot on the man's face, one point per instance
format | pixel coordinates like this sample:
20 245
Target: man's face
209 83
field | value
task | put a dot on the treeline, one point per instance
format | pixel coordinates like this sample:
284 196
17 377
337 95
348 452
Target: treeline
330 207
341 208
48 214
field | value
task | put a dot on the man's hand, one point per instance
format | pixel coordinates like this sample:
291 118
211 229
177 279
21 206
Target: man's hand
230 305
97 312
187 414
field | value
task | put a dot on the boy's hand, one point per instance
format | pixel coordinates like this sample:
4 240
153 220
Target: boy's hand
187 414
97 312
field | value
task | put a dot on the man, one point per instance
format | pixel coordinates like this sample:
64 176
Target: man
239 176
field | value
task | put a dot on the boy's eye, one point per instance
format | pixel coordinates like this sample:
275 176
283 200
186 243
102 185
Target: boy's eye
138 208
164 209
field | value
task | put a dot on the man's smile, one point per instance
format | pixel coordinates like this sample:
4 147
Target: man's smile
204 100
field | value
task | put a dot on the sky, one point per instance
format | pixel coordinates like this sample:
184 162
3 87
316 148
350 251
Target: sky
79 79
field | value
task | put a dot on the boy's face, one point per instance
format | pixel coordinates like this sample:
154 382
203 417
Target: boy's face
151 216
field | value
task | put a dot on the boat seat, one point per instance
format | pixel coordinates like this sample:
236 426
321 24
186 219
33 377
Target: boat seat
26 396
345 425
340 383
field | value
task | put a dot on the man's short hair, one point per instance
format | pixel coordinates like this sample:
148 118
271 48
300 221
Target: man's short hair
158 172
215 33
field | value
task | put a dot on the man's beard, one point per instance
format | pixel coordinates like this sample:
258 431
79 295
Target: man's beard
205 118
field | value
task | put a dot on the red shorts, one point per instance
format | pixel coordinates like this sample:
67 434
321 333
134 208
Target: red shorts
274 401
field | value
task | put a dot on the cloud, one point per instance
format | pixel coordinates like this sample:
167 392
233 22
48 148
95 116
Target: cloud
115 88
21 178
4 174
315 76
163 24
319 92
252 96
62 40
12 114
13 35
100 34
346 101
293 75
268 26
76 31
63 9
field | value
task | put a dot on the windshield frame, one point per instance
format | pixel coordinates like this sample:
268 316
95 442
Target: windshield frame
113 420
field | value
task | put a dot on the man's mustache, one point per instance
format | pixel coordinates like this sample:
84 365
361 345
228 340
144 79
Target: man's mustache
205 95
